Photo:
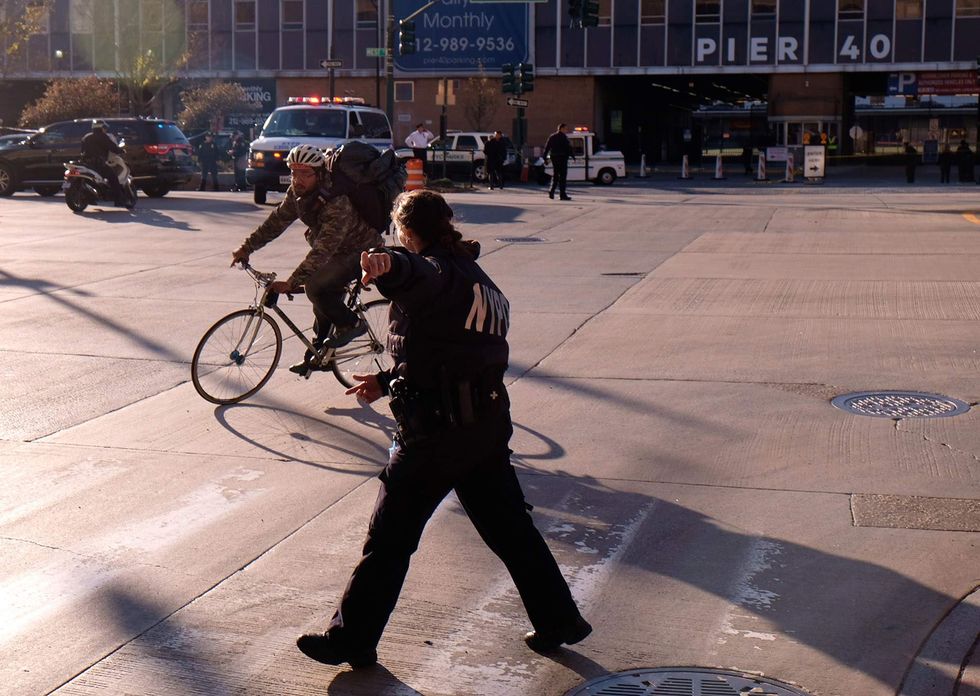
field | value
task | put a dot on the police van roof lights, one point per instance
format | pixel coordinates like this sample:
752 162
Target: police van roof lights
581 129
325 100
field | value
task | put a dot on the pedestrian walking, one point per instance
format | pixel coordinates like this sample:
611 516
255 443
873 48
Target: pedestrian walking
911 160
419 140
448 337
495 153
560 149
207 157
964 162
945 164
239 158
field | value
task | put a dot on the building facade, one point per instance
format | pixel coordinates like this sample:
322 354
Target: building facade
658 77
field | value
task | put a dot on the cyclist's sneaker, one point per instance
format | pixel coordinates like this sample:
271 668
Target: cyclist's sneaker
345 334
305 366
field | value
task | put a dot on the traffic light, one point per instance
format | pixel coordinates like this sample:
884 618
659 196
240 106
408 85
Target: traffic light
526 82
406 37
590 13
508 80
575 11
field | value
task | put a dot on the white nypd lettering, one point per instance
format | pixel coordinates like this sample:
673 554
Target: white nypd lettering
490 312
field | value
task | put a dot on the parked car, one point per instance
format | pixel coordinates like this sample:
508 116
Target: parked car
158 155
463 154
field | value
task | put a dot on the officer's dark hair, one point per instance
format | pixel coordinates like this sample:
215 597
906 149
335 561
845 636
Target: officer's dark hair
428 215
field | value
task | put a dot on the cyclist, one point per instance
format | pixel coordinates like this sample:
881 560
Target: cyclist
337 235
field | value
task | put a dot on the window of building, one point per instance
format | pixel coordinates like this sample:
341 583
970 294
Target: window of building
707 11
850 9
908 9
968 8
292 14
605 13
404 91
38 16
151 15
763 8
81 17
245 15
652 11
197 15
367 14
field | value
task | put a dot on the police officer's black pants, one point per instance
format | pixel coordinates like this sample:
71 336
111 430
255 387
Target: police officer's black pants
326 290
475 462
560 178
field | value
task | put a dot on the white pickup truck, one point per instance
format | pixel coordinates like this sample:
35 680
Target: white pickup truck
598 166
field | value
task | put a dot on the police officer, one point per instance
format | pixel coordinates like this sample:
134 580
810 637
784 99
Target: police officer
96 146
448 340
207 157
560 149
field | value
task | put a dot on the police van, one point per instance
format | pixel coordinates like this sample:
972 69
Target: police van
322 122
591 163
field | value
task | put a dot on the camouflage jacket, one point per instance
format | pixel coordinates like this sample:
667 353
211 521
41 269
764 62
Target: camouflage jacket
333 228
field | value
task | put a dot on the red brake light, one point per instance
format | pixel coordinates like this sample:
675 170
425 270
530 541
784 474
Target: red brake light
157 149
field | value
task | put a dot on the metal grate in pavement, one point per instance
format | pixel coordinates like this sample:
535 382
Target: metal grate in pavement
900 404
669 681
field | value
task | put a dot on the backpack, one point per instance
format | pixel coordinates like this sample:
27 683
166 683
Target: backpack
370 179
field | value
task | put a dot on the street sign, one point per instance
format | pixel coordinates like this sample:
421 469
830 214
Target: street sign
331 63
376 52
814 160
513 101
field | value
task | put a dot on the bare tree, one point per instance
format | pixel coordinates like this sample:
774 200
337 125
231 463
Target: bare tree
481 98
19 20
66 99
206 107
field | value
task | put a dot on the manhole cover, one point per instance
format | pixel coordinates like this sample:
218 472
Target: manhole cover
900 404
522 240
682 682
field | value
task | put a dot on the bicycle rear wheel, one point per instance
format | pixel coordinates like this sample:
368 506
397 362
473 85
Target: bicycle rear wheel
368 353
236 356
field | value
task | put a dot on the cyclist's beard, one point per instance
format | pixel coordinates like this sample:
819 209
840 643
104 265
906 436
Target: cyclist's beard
309 193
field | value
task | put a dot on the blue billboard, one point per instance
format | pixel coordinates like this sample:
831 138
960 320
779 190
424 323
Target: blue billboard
460 36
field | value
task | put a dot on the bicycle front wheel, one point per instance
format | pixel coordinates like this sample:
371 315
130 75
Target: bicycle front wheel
236 356
368 353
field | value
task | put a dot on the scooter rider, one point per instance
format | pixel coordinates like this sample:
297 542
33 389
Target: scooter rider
96 147
337 235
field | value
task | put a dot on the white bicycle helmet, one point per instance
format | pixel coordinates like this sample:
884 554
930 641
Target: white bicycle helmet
307 156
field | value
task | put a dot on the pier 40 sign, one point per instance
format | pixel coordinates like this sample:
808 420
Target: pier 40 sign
460 36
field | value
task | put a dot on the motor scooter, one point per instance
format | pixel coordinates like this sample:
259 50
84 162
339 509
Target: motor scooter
84 186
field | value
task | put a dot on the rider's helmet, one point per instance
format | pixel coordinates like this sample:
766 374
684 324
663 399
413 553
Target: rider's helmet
306 156
99 125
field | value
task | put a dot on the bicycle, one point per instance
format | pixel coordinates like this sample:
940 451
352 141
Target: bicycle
238 354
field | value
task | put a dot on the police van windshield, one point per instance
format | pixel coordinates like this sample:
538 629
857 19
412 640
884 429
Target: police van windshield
318 123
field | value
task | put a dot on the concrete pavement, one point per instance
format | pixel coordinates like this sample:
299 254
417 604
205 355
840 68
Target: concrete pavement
675 346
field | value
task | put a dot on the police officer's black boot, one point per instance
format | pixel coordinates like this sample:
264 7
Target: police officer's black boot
540 641
319 647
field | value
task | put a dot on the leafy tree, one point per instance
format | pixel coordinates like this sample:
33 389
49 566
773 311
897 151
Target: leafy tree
66 99
206 107
481 98
19 20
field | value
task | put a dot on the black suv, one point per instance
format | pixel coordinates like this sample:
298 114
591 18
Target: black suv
157 152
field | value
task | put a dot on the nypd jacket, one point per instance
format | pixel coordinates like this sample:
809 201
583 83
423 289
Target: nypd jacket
447 317
333 229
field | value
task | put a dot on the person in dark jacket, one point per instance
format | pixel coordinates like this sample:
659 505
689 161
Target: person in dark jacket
911 160
207 157
96 146
448 341
560 150
495 152
239 158
336 233
964 162
945 164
